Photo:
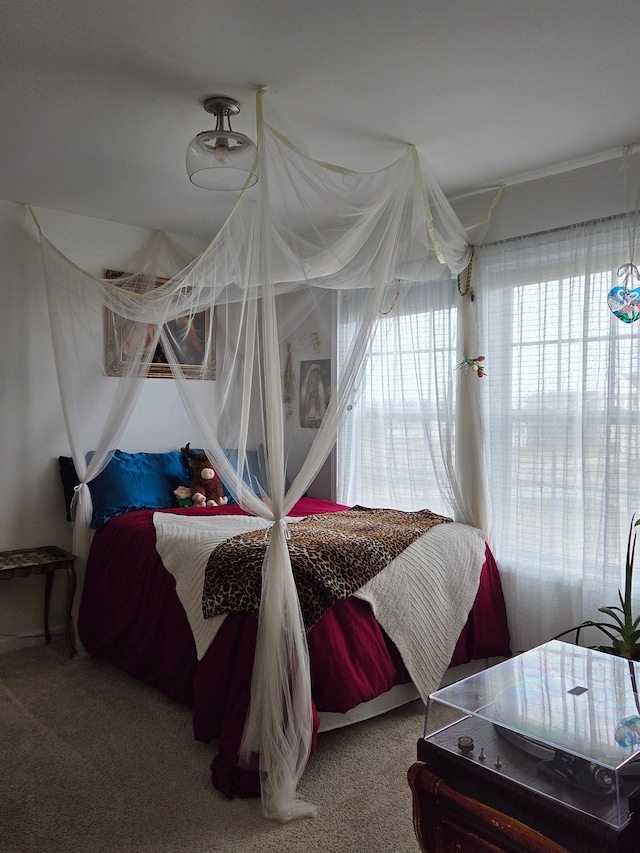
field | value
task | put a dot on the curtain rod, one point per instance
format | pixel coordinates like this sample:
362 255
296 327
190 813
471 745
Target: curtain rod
553 230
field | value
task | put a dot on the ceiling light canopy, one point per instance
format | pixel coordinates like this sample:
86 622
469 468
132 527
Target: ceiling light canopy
222 159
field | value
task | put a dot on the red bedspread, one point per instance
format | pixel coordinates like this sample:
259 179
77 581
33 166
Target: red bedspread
130 614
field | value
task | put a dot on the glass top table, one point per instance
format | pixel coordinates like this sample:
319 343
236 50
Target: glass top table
561 702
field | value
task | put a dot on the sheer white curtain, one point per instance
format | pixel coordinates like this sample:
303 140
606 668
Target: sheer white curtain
305 232
413 437
82 311
562 416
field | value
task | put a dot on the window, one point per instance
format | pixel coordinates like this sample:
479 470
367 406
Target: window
562 420
388 450
561 412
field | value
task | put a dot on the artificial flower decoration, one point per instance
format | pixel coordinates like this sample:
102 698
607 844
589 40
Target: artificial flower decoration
474 364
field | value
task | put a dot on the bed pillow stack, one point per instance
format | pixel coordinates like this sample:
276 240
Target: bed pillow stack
131 481
134 481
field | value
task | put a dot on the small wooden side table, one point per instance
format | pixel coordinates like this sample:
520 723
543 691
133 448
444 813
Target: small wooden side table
38 561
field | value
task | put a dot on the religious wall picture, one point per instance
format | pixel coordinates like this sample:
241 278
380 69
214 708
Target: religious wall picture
315 389
194 341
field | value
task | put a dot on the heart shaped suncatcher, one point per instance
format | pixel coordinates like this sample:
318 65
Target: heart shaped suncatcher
624 303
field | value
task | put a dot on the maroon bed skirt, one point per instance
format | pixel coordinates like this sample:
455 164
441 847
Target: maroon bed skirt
130 615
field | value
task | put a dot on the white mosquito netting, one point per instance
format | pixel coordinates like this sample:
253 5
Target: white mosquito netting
305 232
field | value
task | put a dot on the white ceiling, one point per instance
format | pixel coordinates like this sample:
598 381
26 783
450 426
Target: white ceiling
99 98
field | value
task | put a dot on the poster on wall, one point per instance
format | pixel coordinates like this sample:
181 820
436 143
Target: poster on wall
315 389
194 341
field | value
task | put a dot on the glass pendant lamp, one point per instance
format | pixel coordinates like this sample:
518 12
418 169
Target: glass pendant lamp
222 159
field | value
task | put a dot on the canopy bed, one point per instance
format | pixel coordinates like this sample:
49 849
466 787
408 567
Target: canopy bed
305 234
132 615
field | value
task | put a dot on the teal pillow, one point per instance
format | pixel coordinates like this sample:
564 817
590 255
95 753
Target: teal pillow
136 481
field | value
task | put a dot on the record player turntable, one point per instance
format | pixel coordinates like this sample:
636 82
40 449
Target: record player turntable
577 772
553 726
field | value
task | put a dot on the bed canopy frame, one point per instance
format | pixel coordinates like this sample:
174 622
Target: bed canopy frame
304 235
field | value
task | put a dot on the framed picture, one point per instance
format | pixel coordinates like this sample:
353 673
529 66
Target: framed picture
315 390
197 343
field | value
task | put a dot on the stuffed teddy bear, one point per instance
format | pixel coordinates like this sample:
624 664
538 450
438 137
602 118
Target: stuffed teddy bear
206 485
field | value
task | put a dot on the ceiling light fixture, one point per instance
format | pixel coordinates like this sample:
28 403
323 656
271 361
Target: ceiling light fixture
222 159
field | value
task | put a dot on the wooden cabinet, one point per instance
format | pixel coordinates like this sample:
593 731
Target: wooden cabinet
445 821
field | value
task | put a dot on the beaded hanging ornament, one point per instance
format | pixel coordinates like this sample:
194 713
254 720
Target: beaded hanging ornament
467 290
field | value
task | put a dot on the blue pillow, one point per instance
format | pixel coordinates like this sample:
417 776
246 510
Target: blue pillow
136 481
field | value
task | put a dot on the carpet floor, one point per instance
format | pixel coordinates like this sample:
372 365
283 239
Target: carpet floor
93 761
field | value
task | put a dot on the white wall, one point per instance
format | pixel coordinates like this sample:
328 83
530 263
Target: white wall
313 341
567 198
32 433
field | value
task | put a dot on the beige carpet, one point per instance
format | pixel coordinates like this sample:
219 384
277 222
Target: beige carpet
92 761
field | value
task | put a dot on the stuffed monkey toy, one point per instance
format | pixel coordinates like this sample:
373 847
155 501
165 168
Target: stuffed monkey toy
206 485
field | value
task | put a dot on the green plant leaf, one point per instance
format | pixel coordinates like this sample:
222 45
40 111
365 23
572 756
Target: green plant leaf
576 630
615 638
624 630
615 606
610 611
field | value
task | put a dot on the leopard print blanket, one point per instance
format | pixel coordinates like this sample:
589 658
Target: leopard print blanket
332 556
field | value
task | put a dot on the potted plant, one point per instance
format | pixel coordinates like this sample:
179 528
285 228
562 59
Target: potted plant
623 630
